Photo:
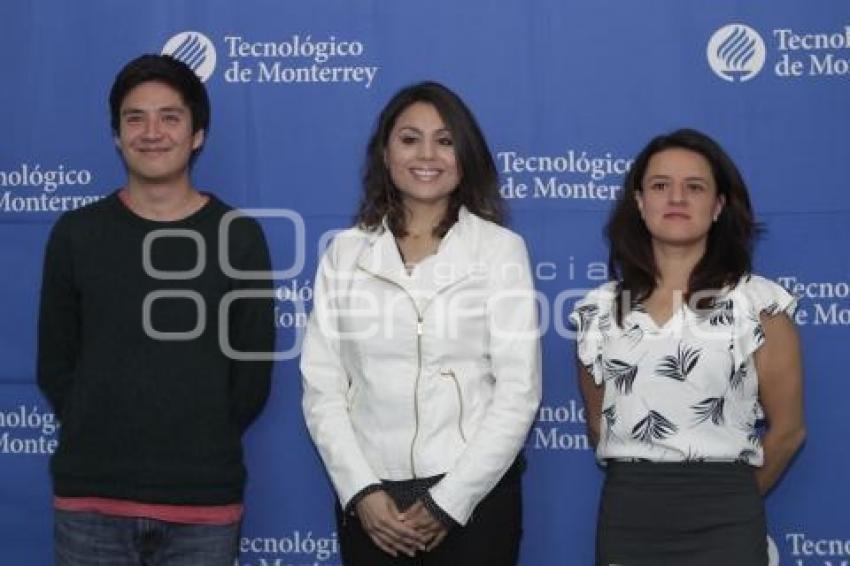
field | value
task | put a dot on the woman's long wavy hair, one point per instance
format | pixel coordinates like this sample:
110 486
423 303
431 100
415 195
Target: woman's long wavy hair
728 254
478 189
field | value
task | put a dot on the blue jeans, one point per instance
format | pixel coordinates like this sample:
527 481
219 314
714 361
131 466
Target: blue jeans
92 539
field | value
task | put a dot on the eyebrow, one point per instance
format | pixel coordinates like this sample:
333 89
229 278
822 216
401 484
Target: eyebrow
666 177
165 109
418 131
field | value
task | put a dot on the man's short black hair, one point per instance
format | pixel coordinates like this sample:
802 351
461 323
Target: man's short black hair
167 70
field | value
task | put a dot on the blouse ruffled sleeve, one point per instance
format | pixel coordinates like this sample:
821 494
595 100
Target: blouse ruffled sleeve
758 296
586 317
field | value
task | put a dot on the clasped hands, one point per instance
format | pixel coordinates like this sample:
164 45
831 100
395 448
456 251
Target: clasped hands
394 531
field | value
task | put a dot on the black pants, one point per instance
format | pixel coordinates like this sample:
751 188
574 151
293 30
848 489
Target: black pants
688 514
490 538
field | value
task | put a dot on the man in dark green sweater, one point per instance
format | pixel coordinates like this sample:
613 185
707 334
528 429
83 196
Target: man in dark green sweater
154 385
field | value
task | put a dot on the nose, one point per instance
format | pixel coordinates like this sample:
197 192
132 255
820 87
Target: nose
152 130
426 149
676 194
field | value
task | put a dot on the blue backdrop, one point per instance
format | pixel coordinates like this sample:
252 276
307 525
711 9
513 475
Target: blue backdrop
566 92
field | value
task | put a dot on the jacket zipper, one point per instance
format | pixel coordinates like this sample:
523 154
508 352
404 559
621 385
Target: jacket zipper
419 331
416 388
450 373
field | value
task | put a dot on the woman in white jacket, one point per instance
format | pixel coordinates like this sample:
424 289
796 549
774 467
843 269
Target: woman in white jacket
421 362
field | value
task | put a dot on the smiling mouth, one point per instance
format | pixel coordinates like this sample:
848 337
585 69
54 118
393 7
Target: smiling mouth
424 173
679 215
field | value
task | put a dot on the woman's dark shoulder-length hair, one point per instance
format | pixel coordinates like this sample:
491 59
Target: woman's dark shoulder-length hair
728 254
478 189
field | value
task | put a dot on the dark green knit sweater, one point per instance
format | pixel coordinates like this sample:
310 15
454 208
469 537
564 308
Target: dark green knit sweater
143 418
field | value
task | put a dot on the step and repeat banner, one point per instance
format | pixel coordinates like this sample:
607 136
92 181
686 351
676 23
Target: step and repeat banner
566 93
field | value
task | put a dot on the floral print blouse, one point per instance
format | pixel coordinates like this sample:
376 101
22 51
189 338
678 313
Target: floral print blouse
683 391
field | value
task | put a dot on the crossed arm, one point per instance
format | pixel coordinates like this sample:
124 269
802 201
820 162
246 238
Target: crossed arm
780 377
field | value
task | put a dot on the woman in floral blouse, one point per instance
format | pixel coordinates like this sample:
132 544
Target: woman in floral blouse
681 357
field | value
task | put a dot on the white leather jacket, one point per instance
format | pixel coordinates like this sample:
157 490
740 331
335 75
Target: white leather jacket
436 372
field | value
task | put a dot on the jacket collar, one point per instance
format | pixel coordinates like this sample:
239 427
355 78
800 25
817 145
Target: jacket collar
452 262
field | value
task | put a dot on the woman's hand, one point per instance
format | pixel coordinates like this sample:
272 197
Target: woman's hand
432 530
383 522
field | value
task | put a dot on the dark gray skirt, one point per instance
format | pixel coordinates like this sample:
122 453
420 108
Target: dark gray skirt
680 514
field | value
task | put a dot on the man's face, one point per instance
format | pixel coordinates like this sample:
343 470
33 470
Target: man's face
155 134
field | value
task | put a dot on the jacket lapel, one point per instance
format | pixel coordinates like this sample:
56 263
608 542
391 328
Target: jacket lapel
381 258
453 262
455 259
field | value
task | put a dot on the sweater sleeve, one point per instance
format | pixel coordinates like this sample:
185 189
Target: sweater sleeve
251 326
58 320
